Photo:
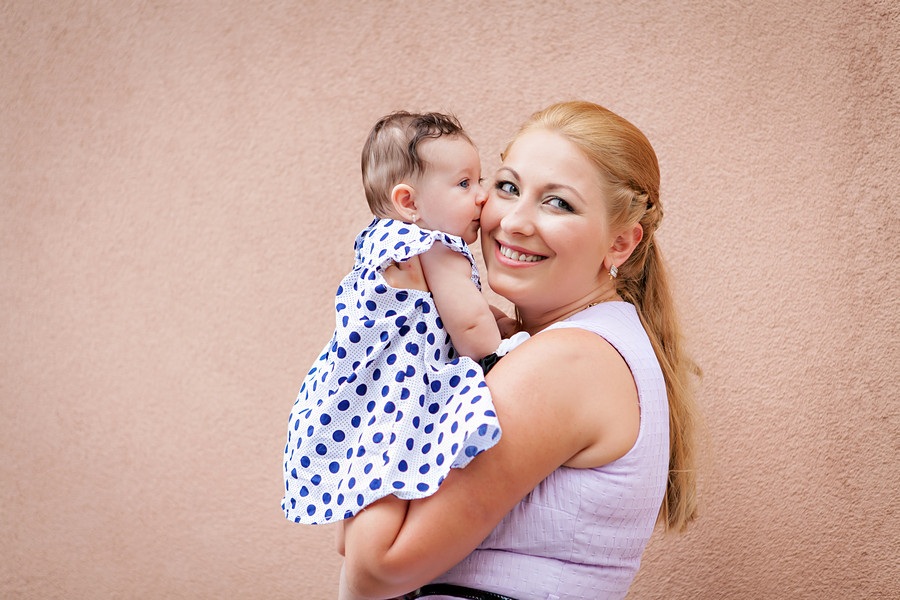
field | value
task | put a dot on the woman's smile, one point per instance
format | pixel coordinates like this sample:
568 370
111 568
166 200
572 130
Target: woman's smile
517 255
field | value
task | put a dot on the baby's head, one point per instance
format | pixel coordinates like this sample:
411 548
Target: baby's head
417 166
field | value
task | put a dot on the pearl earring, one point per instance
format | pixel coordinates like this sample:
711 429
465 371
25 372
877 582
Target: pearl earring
613 272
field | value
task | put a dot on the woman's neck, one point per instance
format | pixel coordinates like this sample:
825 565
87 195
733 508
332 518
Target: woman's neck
538 320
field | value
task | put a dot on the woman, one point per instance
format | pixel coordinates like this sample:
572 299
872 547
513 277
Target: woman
595 407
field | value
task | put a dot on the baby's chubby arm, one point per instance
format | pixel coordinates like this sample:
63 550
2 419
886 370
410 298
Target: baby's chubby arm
465 312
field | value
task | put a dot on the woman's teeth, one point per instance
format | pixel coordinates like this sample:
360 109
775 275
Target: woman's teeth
521 257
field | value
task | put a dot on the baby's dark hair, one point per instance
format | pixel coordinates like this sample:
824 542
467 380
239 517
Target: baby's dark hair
390 153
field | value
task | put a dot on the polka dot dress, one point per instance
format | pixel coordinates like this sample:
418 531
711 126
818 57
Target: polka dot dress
388 407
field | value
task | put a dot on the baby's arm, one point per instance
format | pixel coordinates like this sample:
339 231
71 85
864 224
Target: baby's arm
465 312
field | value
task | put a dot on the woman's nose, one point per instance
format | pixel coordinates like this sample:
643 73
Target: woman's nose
518 219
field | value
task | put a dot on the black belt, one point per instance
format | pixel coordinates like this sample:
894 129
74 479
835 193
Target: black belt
456 591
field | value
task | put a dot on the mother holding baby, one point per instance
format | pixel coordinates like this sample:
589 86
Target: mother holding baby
596 408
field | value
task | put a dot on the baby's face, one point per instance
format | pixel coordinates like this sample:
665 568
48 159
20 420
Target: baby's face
449 195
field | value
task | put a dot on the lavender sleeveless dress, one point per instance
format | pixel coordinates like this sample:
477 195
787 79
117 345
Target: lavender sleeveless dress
580 534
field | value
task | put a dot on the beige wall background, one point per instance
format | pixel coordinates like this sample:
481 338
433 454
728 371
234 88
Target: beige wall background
179 193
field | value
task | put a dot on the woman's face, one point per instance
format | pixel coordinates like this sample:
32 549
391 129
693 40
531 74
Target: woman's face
544 228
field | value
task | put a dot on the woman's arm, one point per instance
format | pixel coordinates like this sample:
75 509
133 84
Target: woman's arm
465 312
553 412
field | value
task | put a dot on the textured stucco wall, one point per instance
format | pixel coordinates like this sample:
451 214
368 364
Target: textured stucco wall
179 192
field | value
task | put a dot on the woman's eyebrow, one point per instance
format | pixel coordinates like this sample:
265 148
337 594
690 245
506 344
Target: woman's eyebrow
510 169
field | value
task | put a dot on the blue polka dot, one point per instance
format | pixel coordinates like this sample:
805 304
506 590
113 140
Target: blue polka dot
421 327
402 466
316 479
354 337
325 419
412 348
422 487
377 437
435 386
304 462
304 492
389 407
398 485
343 405
311 510
326 498
424 468
339 435
321 449
361 389
376 483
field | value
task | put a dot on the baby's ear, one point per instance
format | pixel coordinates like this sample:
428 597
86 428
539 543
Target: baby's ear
403 198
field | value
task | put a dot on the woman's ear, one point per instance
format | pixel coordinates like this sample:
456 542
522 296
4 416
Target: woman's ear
623 245
403 198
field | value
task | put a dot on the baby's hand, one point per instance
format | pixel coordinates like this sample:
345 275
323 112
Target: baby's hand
406 275
507 325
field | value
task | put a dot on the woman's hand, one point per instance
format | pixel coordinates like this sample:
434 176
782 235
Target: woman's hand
406 275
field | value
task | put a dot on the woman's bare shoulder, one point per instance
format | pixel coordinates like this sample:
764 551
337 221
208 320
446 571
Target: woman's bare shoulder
586 384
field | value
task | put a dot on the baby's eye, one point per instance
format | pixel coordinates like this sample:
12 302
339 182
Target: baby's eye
464 184
559 203
507 187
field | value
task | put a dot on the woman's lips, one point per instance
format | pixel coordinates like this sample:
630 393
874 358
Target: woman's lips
517 256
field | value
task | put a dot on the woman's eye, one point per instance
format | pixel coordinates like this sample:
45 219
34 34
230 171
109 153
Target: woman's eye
559 203
508 187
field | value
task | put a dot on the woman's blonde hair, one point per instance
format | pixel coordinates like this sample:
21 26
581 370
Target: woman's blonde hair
626 160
